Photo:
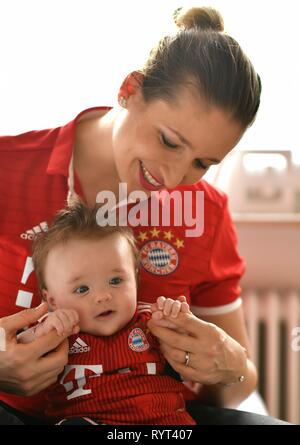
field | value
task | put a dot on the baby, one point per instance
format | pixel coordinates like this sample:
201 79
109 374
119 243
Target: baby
115 374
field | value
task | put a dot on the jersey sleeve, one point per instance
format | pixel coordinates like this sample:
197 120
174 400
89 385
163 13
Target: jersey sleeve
220 293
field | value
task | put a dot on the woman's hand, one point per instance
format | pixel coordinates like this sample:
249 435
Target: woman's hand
27 369
212 355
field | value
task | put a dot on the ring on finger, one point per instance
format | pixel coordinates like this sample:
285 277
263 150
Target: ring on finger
187 359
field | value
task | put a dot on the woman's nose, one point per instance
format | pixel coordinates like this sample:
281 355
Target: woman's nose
192 176
173 176
184 174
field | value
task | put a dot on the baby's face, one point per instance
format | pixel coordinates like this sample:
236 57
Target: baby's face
97 279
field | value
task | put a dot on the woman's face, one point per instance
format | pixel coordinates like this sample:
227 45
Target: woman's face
162 145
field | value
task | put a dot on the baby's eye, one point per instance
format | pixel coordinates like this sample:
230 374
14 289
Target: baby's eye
168 143
115 281
81 289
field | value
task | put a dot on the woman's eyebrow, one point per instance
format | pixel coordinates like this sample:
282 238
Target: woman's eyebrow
186 142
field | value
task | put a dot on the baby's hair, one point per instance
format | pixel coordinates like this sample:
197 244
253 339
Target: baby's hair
76 221
202 56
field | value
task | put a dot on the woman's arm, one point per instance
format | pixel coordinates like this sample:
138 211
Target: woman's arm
219 355
231 396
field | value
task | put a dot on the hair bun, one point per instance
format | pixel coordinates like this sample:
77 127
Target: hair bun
204 18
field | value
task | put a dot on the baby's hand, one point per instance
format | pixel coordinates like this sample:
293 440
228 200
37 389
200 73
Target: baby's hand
167 307
65 321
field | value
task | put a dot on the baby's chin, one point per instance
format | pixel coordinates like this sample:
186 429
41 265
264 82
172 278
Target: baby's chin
99 332
105 325
102 331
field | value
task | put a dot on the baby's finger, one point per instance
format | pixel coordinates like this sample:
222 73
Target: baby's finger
56 323
185 307
168 306
63 317
76 329
72 316
157 315
175 308
154 307
160 302
182 299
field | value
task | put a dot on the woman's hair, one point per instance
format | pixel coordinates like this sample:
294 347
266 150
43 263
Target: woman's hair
75 222
202 55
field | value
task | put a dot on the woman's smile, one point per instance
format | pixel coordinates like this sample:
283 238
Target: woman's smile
147 180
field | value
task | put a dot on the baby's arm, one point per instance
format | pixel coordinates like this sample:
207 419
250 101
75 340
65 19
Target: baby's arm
65 321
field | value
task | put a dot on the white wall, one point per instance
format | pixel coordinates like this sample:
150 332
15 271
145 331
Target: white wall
61 56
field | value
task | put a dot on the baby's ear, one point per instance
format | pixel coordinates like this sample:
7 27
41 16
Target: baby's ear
50 300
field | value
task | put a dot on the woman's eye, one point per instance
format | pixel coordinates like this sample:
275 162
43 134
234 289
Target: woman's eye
199 164
81 290
168 143
115 281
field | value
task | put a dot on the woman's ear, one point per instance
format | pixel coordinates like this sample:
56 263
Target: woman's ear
50 300
130 85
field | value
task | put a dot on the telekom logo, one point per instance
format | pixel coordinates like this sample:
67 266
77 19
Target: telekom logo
80 379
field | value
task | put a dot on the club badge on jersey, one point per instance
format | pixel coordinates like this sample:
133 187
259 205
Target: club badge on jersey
137 340
159 256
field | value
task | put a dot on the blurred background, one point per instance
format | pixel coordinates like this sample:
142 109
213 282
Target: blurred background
59 57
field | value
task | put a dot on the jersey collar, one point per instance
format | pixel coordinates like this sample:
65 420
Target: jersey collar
61 155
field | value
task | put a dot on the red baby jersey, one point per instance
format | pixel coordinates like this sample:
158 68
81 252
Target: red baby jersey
34 172
118 380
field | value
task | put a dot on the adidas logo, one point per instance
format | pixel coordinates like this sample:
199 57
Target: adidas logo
78 347
29 234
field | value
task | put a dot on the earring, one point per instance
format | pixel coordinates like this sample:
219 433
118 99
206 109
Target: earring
123 102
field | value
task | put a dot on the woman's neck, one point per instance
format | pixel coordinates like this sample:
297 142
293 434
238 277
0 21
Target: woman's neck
93 155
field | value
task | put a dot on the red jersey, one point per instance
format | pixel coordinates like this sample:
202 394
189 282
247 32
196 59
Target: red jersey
118 380
34 172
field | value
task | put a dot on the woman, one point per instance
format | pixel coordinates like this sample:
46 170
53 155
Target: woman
184 111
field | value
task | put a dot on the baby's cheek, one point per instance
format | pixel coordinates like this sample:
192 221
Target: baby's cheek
63 302
132 302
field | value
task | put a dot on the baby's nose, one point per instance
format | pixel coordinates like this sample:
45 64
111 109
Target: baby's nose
103 296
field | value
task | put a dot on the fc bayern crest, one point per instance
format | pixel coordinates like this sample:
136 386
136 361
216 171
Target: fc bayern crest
159 257
137 340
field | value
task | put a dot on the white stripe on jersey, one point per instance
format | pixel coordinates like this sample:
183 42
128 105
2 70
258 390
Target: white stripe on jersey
217 310
143 307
